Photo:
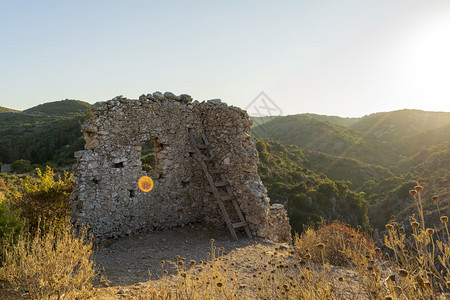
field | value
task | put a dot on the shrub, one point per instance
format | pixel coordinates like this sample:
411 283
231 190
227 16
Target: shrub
3 188
403 189
298 219
10 186
21 166
335 237
424 257
148 162
56 264
45 198
10 225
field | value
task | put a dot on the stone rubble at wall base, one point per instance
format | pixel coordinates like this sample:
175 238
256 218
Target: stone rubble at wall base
106 195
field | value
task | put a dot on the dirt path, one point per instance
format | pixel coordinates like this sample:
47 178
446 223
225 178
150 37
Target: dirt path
128 260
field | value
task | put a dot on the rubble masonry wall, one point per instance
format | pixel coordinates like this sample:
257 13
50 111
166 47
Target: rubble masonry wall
106 194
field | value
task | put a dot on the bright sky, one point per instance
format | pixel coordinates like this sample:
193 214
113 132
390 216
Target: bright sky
334 57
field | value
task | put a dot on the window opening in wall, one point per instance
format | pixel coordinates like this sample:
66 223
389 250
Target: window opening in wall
118 165
149 157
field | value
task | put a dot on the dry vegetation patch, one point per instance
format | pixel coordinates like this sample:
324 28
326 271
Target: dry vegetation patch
260 271
332 262
326 244
54 265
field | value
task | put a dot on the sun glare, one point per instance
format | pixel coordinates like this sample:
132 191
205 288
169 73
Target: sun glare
145 184
426 66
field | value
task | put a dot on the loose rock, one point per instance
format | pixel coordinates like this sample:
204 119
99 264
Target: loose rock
171 96
185 98
158 95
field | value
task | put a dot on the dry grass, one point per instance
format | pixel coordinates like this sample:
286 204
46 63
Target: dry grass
325 245
274 276
54 265
415 267
419 264
58 265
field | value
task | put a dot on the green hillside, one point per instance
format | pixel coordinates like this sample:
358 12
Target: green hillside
381 138
389 126
430 168
382 155
310 197
357 173
59 108
303 131
256 121
311 134
400 134
346 122
49 132
413 144
331 119
321 168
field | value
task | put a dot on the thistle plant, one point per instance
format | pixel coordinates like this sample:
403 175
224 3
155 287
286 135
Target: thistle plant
423 264
415 193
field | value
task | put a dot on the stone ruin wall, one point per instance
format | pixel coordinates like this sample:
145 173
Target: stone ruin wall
106 195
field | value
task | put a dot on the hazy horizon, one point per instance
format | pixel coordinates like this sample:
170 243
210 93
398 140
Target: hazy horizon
343 58
252 115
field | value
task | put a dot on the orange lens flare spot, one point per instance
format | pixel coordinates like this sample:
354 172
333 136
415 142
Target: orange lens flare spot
145 184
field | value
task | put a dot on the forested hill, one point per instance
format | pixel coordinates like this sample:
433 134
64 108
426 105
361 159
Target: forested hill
310 197
388 126
382 155
380 138
320 167
60 108
312 134
331 119
49 132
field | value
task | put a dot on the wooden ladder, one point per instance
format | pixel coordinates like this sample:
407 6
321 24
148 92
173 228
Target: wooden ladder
218 186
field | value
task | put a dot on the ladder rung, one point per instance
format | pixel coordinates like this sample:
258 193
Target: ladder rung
205 158
223 183
227 197
203 146
239 224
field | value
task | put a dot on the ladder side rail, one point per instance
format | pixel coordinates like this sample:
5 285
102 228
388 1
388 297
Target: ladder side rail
230 193
213 187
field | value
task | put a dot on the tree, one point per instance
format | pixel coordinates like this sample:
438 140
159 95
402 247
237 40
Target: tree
21 166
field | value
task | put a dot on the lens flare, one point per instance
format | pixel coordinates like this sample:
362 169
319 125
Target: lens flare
145 184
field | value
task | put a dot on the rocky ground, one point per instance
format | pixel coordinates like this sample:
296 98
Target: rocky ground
130 260
127 264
